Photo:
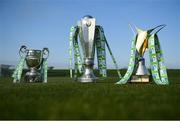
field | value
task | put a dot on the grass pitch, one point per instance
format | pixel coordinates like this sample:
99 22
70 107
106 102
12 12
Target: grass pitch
63 98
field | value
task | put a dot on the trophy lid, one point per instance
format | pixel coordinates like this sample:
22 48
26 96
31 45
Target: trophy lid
87 17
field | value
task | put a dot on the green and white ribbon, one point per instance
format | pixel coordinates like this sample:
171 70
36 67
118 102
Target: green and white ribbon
113 58
158 69
100 42
44 70
70 50
101 52
18 71
78 65
131 66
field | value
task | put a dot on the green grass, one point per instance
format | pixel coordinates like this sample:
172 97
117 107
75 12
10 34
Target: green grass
63 98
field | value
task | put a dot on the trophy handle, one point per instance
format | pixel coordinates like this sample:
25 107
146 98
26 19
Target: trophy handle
22 50
156 28
45 53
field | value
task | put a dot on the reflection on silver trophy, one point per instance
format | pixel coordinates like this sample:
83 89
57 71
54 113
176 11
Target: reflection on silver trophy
34 60
87 31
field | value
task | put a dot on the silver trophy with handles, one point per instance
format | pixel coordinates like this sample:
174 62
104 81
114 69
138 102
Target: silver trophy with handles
34 61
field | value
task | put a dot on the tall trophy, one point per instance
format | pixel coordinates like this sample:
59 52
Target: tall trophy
87 32
142 74
137 71
36 61
92 39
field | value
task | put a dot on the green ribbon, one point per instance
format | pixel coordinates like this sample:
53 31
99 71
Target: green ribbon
44 70
131 66
18 71
78 65
158 68
101 52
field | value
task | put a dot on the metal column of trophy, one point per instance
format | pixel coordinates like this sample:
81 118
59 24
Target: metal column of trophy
91 38
137 71
35 60
87 31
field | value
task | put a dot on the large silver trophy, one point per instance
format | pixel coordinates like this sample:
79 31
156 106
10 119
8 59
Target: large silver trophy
87 32
34 60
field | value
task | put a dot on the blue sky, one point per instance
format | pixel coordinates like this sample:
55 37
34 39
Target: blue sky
46 23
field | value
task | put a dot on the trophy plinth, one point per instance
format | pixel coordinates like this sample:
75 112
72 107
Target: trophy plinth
142 74
140 79
88 75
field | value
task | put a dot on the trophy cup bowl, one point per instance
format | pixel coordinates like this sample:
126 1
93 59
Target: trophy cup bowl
34 59
87 31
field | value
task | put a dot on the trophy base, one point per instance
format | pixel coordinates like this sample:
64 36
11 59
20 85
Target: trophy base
88 75
140 79
85 79
32 77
